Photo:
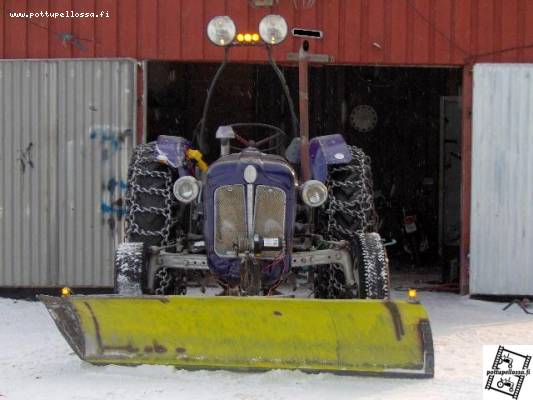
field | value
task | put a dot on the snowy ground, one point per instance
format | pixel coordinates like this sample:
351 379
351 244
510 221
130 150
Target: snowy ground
36 363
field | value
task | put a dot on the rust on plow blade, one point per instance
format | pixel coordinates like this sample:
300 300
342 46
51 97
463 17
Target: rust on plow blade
369 337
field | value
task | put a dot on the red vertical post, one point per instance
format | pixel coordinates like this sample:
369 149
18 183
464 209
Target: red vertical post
466 173
303 96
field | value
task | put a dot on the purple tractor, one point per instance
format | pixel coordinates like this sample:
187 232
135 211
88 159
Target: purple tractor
269 205
249 217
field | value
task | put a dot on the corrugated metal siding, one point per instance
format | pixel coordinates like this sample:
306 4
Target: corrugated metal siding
401 32
66 132
501 258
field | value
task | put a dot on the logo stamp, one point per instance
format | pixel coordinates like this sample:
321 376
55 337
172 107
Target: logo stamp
507 375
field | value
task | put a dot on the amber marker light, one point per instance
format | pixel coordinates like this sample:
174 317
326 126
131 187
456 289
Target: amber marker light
66 291
412 296
247 38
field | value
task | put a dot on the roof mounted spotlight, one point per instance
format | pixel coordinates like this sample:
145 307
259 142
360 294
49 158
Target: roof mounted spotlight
273 29
221 30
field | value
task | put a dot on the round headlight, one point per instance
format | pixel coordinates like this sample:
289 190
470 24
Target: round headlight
273 29
186 189
221 30
314 193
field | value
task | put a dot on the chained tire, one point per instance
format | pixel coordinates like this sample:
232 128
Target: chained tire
149 199
130 263
371 270
152 209
350 215
372 267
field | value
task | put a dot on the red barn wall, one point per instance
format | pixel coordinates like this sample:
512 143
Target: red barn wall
400 32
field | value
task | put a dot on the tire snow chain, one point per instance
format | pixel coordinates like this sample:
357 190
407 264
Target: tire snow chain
142 156
374 255
164 278
361 208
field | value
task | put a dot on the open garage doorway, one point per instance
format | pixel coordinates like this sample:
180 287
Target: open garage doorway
407 120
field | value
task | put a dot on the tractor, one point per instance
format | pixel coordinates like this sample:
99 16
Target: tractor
271 203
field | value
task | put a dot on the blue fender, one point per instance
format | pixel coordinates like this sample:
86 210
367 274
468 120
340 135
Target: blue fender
172 151
327 150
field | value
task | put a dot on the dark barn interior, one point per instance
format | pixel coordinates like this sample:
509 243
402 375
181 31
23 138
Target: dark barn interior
406 119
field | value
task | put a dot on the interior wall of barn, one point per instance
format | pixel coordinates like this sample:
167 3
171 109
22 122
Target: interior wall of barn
404 145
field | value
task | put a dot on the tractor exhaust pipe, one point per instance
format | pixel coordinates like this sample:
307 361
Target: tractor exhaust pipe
303 95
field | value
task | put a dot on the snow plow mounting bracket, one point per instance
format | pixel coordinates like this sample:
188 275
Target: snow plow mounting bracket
340 256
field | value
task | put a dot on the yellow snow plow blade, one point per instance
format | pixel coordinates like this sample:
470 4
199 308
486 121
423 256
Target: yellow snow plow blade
248 333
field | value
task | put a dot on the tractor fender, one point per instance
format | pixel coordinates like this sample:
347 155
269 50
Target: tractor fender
172 150
327 150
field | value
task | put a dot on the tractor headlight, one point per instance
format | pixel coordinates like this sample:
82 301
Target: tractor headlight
273 29
314 193
186 189
221 30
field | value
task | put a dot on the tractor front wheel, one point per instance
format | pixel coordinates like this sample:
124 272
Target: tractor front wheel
372 267
130 263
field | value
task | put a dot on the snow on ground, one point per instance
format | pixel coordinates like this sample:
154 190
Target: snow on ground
36 363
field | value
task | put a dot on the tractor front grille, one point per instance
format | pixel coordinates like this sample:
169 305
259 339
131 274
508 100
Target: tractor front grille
231 219
230 222
269 216
270 208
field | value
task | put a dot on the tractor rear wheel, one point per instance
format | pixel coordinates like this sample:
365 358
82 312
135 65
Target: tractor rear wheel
152 211
350 215
149 199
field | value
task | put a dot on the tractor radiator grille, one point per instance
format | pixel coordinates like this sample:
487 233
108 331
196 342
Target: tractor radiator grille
230 222
270 208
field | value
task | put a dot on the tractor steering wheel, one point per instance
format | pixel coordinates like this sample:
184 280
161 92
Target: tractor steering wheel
278 133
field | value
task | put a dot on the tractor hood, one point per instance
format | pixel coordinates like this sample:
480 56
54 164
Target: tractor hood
245 195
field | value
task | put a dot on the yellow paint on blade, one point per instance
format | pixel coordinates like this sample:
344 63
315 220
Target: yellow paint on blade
252 333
